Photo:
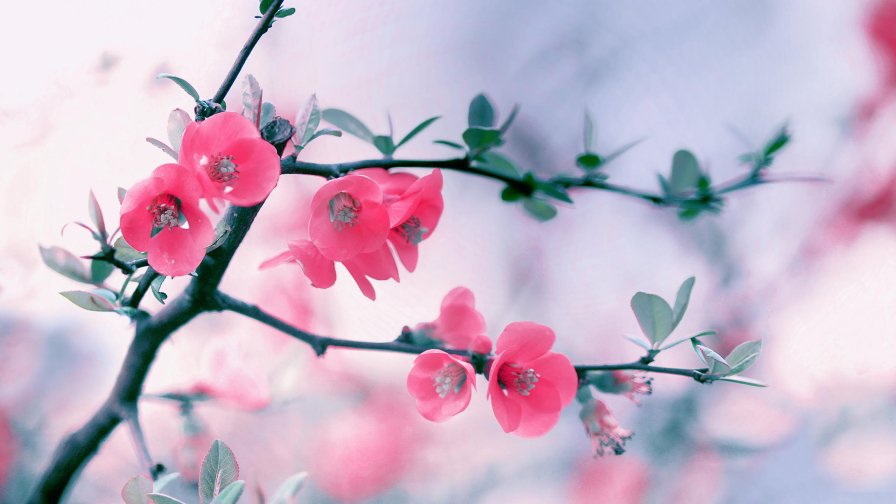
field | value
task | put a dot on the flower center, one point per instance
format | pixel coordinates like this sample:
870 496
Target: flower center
412 230
517 378
344 210
222 169
450 378
165 210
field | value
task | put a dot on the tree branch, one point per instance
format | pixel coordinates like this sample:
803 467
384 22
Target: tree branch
320 343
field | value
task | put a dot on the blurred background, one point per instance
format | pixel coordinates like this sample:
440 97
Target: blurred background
808 268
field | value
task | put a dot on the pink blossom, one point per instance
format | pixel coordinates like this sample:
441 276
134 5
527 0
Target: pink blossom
441 383
459 325
378 264
348 218
528 384
622 480
415 206
603 429
161 216
230 159
629 384
226 377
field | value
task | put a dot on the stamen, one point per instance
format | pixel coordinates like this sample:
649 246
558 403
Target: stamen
165 210
450 378
222 169
521 380
344 210
412 230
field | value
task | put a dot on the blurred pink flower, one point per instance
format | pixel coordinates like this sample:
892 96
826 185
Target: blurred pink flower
225 377
161 216
348 218
441 383
190 450
364 451
415 206
378 264
528 384
621 480
632 385
459 325
8 448
231 160
603 429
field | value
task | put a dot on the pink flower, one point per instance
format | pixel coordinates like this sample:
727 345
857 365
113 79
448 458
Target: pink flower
161 216
378 264
348 218
459 324
603 429
415 206
528 384
441 383
226 377
623 480
630 385
230 159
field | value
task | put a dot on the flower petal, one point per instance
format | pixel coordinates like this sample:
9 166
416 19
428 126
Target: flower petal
525 341
320 270
259 170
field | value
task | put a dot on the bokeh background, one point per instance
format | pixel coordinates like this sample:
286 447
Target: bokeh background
808 268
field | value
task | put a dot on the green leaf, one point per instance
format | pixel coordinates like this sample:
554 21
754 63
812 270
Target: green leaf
681 301
620 151
126 253
384 144
162 146
716 364
743 356
156 287
348 123
511 194
654 316
689 338
588 132
177 123
96 215
481 139
685 172
453 145
65 263
781 138
91 301
638 341
324 131
100 271
289 489
414 132
268 111
135 490
506 125
158 498
219 469
498 164
555 191
282 13
230 494
481 114
122 192
743 381
307 121
186 86
163 481
252 99
264 5
588 161
541 210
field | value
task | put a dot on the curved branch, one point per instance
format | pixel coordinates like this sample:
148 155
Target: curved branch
320 343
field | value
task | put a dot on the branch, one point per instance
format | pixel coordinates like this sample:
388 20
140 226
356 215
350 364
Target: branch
291 166
142 288
320 343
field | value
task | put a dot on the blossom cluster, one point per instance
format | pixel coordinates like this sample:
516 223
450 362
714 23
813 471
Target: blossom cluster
222 159
528 384
355 219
